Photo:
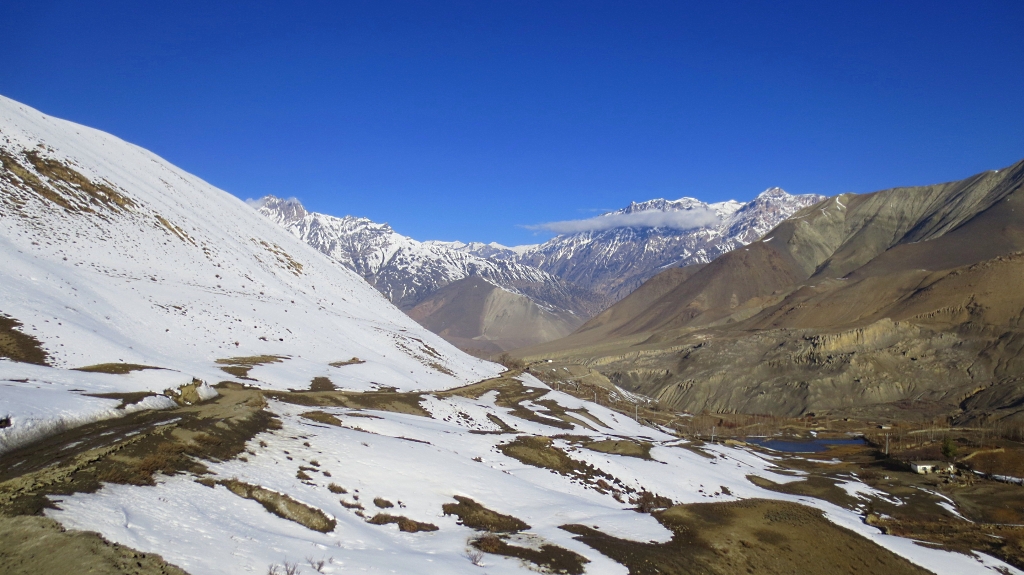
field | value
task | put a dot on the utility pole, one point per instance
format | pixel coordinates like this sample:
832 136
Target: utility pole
636 412
887 444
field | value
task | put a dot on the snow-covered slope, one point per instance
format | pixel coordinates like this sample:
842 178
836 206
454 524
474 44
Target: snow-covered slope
364 465
109 254
616 260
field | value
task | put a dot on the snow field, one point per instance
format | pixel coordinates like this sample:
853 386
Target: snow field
422 463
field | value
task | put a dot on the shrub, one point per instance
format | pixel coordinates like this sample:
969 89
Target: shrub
949 449
510 362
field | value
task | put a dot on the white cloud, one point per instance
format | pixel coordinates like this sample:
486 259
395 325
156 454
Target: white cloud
257 204
680 219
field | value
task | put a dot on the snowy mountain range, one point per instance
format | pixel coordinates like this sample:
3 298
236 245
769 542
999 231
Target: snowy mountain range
569 278
616 260
407 271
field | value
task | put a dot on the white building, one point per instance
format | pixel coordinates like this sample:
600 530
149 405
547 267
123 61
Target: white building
924 467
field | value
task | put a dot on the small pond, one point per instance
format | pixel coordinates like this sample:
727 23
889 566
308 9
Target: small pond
803 445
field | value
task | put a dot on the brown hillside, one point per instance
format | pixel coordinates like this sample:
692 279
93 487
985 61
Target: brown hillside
476 315
860 302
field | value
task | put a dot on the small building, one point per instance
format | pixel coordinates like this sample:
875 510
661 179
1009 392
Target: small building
925 467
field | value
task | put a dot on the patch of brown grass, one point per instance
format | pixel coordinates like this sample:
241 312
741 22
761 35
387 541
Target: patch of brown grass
408 403
549 558
404 523
132 449
816 486
240 366
55 181
749 536
353 361
647 502
239 371
322 417
629 448
321 384
283 506
71 183
115 368
538 451
178 232
505 428
125 398
283 258
17 346
476 516
125 475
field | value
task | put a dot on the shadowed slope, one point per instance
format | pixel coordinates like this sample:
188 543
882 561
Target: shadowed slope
473 313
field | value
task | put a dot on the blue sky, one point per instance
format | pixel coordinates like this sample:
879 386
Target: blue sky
467 120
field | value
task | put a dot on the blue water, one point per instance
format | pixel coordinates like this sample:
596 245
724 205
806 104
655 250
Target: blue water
802 445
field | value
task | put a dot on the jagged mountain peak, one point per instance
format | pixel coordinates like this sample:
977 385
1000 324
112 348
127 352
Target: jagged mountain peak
774 192
284 211
661 205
